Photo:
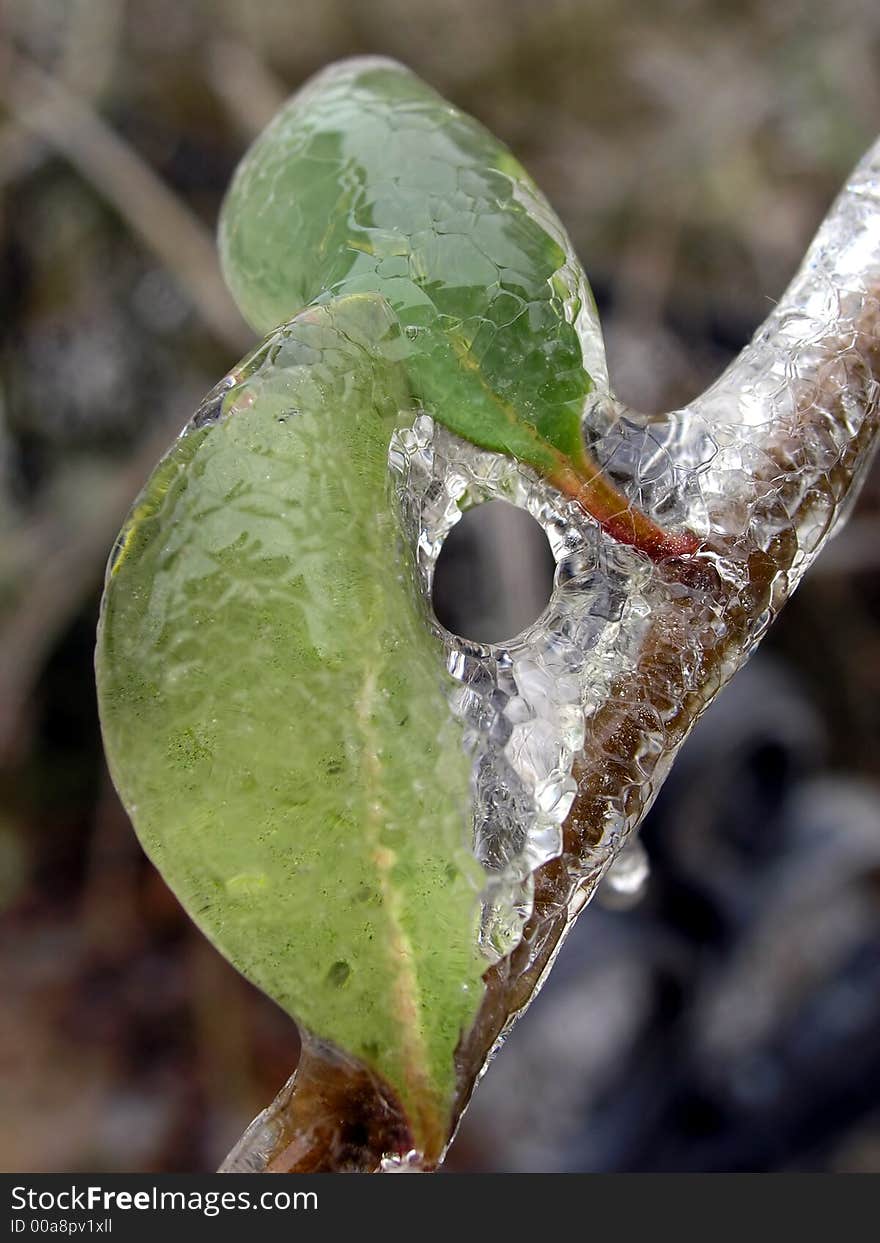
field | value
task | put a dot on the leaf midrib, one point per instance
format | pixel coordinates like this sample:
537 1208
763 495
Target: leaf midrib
406 989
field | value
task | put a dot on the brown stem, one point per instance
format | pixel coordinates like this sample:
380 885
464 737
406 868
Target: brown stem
332 1116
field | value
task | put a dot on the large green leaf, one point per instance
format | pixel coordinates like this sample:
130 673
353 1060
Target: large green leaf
273 711
369 180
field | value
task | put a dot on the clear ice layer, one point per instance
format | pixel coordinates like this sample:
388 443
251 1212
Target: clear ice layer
762 458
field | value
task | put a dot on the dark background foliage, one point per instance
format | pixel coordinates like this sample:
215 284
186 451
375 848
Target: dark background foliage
731 1020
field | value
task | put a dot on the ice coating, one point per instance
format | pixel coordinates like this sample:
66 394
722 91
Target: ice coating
757 464
731 466
761 451
571 726
524 701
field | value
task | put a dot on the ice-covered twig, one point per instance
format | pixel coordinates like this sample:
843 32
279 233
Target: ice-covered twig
763 467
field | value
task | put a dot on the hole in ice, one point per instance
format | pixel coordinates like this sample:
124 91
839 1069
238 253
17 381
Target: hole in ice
494 574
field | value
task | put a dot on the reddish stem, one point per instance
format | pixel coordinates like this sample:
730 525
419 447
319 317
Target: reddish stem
596 494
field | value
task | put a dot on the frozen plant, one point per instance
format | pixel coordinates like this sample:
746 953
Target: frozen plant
388 828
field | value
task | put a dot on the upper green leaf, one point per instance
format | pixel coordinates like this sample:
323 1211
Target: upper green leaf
369 180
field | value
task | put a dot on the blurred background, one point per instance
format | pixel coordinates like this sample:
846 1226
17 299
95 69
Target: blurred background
731 1021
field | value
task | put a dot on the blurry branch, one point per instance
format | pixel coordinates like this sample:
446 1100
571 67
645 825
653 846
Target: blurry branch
147 205
84 65
248 89
91 47
67 556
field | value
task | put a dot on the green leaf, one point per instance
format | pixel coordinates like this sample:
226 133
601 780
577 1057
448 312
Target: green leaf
273 708
370 181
